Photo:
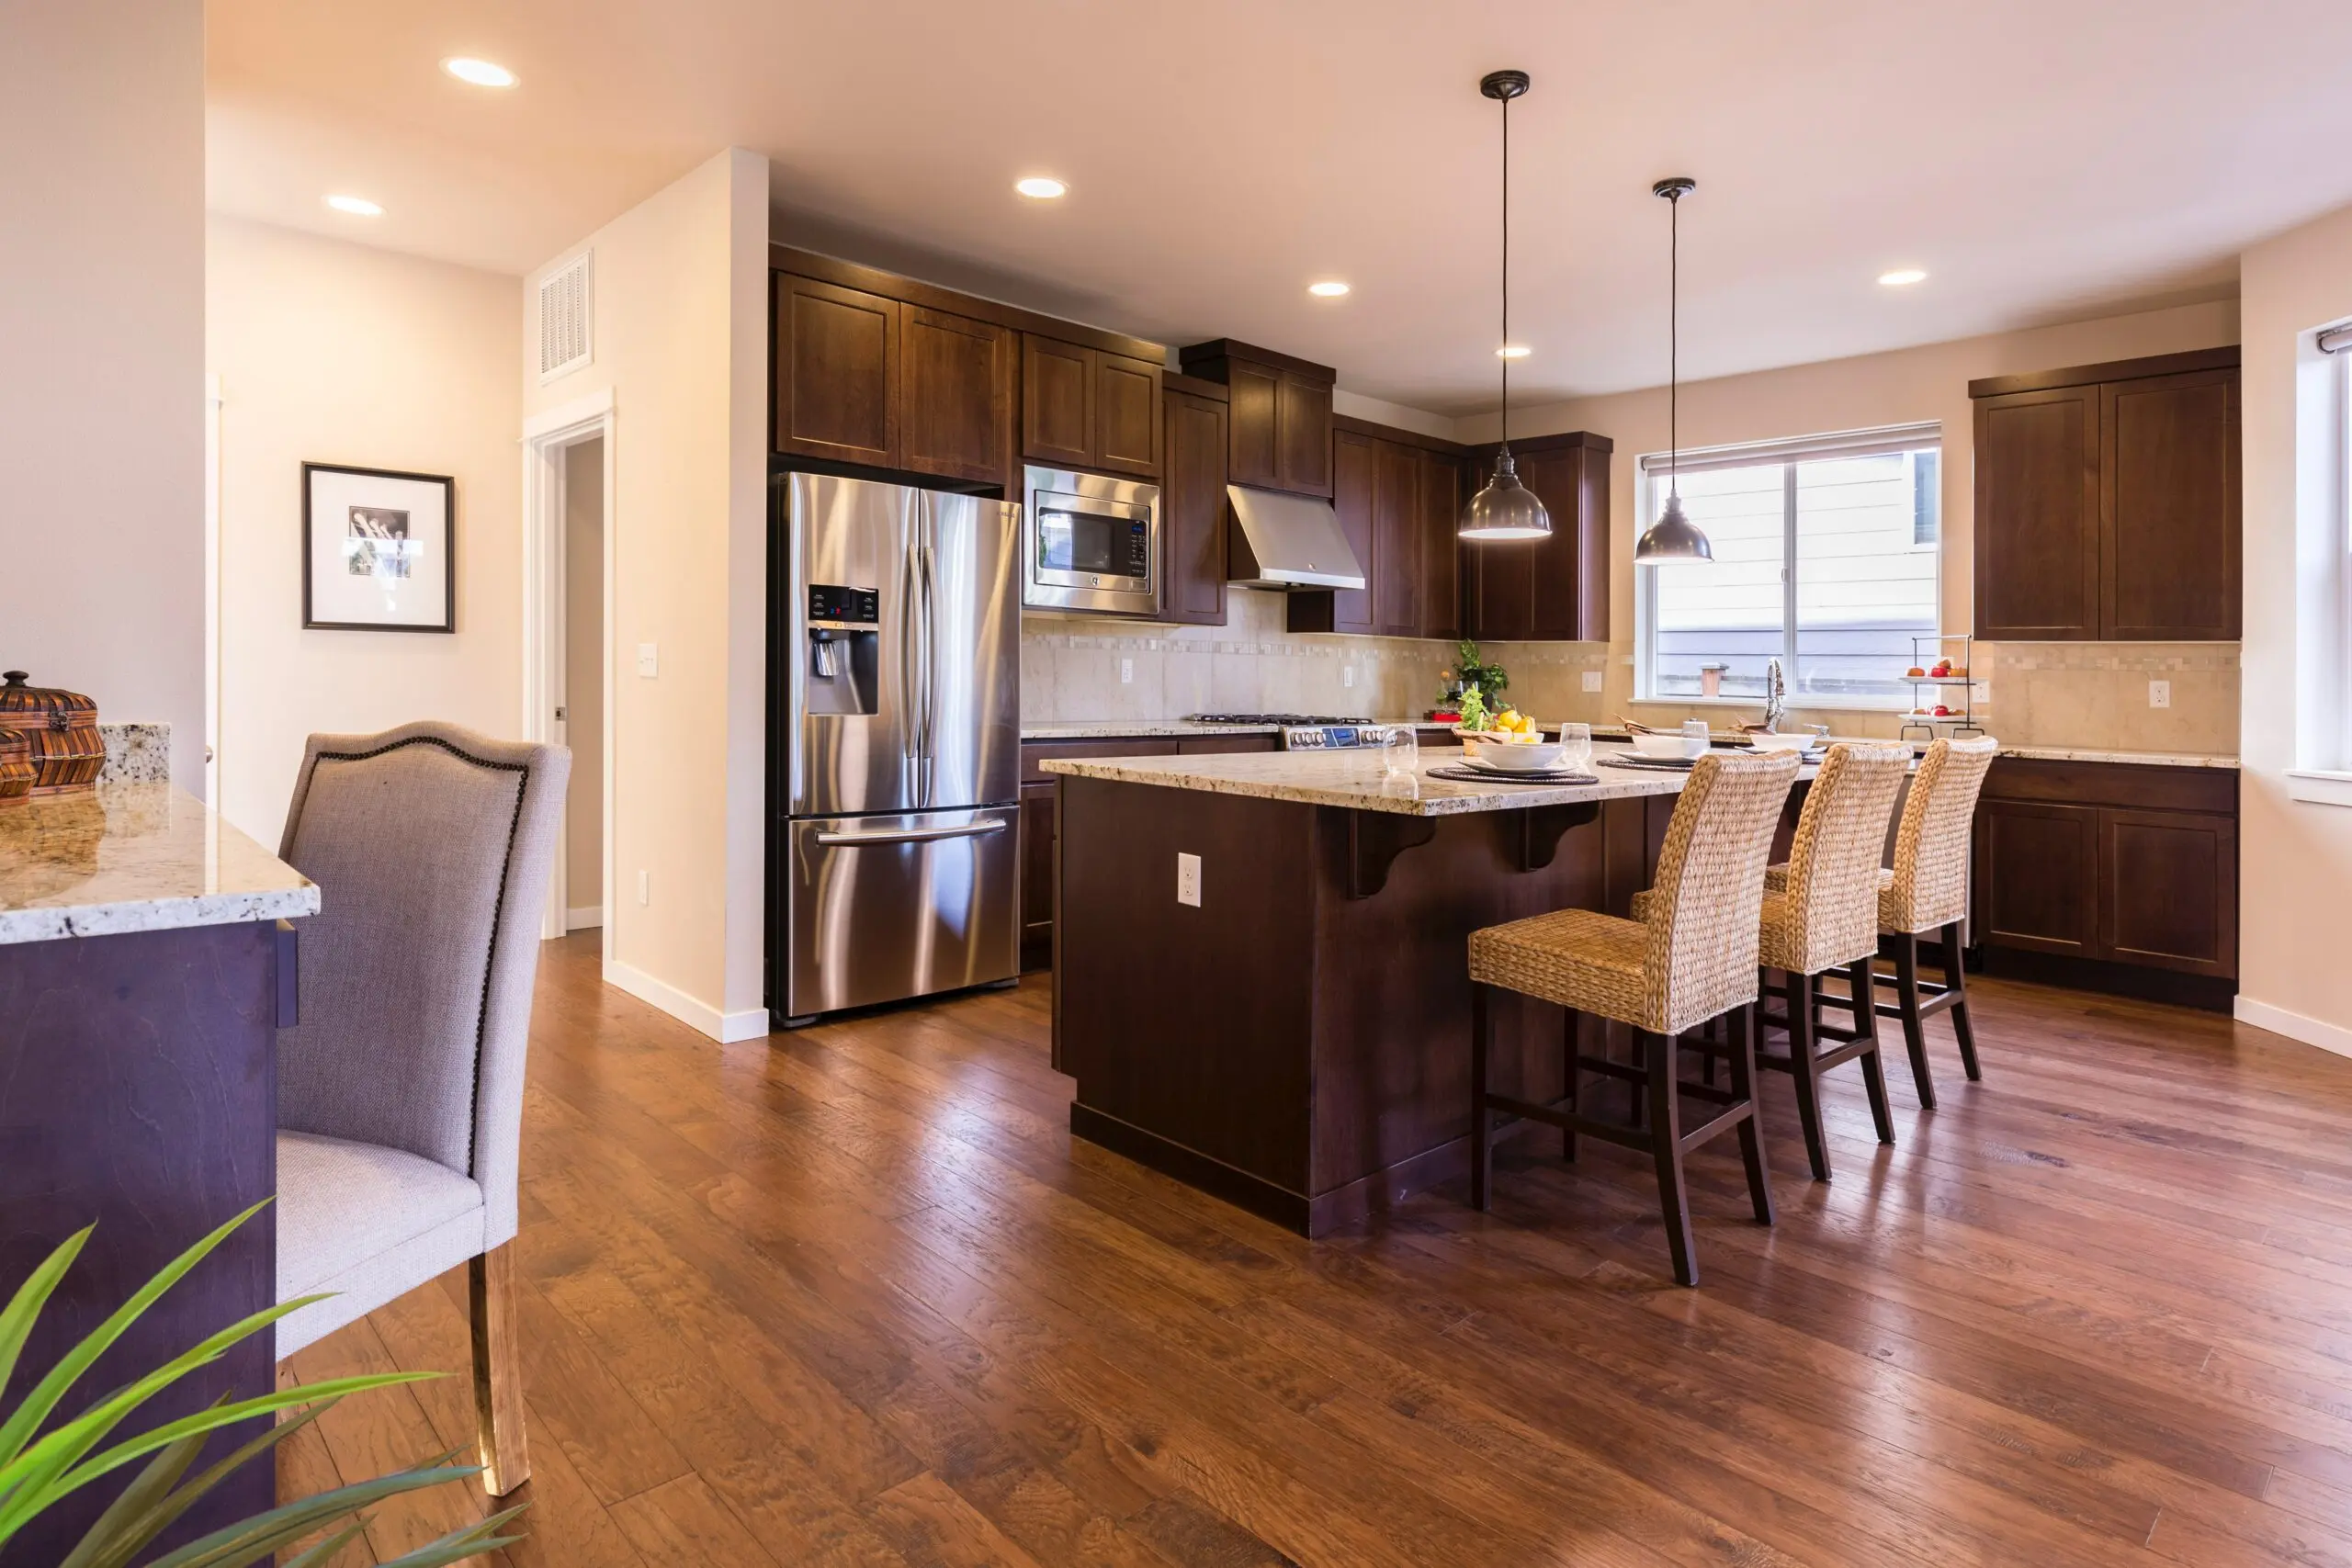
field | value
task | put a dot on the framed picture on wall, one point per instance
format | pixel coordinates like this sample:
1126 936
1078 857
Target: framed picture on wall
379 550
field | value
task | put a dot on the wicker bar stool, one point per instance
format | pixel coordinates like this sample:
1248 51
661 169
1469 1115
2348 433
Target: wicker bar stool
1691 960
1927 890
1821 914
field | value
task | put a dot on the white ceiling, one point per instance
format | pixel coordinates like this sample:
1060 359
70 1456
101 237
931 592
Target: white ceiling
2043 159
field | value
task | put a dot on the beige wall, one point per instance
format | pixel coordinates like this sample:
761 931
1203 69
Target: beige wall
336 353
681 342
101 403
583 685
2041 694
2295 866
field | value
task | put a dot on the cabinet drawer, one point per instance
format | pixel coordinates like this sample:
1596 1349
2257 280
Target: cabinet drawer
1213 745
2113 783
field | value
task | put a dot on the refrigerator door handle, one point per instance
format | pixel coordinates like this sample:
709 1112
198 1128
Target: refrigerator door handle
929 649
909 713
912 835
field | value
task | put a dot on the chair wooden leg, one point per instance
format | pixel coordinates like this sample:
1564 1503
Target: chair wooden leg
1915 1030
1708 1069
1657 1052
1482 1118
1873 1070
1806 1073
1741 1025
1568 1035
1956 979
498 1371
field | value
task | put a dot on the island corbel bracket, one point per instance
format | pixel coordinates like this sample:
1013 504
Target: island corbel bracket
1375 840
1533 837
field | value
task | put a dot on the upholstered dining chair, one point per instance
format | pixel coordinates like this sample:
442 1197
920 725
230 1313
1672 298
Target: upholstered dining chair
1927 890
1690 960
400 1086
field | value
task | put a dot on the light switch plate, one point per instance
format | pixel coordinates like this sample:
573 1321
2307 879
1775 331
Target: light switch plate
1346 675
1592 680
1126 672
1188 879
648 660
645 887
2160 694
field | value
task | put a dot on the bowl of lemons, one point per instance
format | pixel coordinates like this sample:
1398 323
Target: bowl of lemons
1511 744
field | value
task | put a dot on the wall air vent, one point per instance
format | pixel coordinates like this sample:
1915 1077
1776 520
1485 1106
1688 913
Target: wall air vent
566 313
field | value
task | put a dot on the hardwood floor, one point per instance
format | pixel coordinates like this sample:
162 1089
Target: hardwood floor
853 1296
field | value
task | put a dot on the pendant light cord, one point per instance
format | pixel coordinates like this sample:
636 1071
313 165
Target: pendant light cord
1674 349
1506 342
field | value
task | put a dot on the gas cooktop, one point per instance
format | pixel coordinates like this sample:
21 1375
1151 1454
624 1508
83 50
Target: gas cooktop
1284 719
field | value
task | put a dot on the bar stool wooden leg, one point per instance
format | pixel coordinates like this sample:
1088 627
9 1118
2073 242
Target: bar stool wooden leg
1956 980
1806 1072
1482 1118
1568 1092
1657 1053
1914 1029
1858 976
1741 1024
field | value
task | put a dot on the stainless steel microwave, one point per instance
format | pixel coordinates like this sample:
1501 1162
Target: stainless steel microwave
1089 545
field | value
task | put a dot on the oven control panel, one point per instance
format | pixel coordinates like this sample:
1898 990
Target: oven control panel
1334 736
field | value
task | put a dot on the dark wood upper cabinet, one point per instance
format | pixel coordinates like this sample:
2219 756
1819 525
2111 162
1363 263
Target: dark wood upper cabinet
955 395
1355 483
1057 401
2107 501
1394 568
1396 496
836 372
1555 588
2169 507
1441 546
1280 414
1127 416
1192 509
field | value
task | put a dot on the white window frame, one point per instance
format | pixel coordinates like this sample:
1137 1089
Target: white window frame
2322 774
1652 471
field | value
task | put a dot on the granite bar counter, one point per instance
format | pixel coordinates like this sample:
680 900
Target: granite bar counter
144 976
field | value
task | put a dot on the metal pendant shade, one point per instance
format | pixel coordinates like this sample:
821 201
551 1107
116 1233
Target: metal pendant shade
1673 537
1505 509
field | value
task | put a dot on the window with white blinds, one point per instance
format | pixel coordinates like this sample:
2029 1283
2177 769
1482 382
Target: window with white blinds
1826 558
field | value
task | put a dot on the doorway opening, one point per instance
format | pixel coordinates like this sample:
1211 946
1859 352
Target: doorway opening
583 685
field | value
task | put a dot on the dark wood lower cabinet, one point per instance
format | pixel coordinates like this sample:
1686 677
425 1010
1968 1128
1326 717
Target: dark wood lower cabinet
2038 876
2168 890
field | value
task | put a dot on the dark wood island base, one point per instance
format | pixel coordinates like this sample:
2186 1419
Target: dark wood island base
1298 1043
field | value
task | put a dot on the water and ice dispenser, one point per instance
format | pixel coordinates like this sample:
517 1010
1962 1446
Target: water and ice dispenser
844 628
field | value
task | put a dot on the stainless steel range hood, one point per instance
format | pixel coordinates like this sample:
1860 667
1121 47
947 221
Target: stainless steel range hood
1288 541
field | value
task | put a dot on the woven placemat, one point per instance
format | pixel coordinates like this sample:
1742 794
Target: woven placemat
1655 764
1477 776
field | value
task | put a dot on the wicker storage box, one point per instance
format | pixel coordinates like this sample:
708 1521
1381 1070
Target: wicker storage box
17 769
62 728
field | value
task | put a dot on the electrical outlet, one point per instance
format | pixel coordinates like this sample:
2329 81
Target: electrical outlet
1126 672
648 660
1346 675
645 887
1592 680
1188 879
2160 694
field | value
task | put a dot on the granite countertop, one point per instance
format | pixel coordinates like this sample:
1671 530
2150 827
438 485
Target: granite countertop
134 857
1359 781
2138 759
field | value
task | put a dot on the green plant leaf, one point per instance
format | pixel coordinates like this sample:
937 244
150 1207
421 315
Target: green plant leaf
248 1541
37 1405
320 1555
17 1320
459 1544
116 1535
137 1531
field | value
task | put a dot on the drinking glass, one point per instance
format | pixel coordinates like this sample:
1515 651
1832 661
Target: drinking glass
1400 753
1575 742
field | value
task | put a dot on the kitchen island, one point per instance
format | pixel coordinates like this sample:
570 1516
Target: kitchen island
1297 1040
144 970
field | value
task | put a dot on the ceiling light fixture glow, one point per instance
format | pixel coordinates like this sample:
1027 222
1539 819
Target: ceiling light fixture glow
1330 289
357 206
1040 188
1504 508
1513 350
1902 276
479 73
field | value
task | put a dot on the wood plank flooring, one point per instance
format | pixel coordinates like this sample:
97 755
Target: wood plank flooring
853 1296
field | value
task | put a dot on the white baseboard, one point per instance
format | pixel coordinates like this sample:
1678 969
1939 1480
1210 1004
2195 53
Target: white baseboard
726 1028
2293 1025
585 917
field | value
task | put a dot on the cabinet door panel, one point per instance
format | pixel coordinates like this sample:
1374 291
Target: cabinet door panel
2037 877
1302 425
1497 576
1556 565
1355 490
1038 876
1192 511
836 372
1396 539
956 379
1440 600
2169 508
1057 401
2037 515
2169 890
1127 416
1255 397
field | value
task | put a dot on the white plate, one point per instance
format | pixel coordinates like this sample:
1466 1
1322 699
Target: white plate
1508 757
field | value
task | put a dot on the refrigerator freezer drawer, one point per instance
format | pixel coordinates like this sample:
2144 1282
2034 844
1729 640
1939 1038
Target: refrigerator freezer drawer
886 908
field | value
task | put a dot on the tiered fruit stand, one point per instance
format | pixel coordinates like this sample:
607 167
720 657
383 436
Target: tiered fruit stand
1967 683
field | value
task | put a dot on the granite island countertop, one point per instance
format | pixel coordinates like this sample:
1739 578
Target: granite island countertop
134 857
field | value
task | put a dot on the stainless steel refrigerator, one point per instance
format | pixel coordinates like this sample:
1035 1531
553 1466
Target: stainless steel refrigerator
897 706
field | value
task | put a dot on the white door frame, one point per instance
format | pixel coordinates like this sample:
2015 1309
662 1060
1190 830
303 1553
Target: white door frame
213 591
545 438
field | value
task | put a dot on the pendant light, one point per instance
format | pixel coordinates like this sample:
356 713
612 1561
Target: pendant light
1673 537
1506 509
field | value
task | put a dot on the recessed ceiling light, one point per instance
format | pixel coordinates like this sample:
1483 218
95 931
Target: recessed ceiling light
1902 276
357 206
1330 289
1513 350
1039 187
481 73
